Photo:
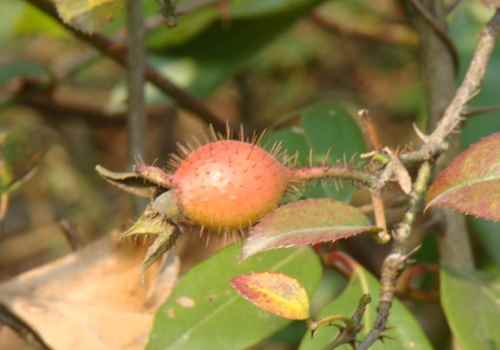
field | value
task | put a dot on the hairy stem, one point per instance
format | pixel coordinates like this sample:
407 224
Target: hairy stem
341 171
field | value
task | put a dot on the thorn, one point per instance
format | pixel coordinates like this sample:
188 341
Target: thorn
183 149
423 137
228 130
261 137
213 134
242 133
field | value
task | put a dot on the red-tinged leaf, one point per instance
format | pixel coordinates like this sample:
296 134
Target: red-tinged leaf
274 292
306 222
471 183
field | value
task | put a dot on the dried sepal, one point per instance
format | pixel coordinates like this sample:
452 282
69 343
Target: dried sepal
130 182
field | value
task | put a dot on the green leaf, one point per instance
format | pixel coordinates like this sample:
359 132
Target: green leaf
465 24
204 312
471 183
489 238
11 11
472 306
328 130
224 48
405 329
32 21
306 222
252 8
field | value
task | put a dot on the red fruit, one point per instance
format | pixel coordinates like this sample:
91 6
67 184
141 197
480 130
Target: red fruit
229 185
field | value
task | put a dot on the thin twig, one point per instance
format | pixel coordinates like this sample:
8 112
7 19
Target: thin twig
136 61
118 53
135 80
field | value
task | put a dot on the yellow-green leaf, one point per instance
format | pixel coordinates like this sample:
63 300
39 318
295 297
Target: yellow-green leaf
87 15
274 292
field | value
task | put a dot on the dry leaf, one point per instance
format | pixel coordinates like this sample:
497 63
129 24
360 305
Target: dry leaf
92 299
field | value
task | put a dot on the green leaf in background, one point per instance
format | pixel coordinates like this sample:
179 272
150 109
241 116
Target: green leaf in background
194 22
32 21
23 143
204 312
405 329
327 129
465 24
489 238
252 8
21 69
11 11
224 48
472 306
187 27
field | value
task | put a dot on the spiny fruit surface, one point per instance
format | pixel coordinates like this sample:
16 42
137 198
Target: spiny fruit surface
229 185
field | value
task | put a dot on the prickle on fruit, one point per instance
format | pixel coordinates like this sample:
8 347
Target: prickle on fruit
228 185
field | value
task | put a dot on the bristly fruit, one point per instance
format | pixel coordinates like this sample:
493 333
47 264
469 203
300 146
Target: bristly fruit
228 185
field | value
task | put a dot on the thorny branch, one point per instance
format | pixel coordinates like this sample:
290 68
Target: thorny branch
118 53
434 144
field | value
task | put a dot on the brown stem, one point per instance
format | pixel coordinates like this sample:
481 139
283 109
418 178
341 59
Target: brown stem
136 61
135 80
63 107
118 53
